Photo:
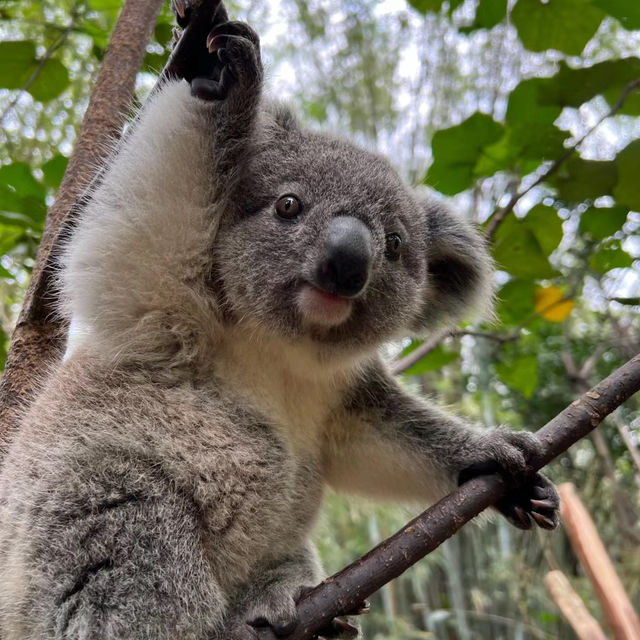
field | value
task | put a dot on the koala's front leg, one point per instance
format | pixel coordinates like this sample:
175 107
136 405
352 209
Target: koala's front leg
388 443
270 595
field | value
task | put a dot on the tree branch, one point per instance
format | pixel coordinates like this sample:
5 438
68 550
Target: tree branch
40 334
346 589
501 213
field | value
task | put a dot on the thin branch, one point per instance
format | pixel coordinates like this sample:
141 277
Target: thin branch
501 213
346 589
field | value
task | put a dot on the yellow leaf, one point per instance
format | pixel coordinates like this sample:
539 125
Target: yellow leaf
552 304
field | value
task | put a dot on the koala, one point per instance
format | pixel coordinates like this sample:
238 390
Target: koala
230 283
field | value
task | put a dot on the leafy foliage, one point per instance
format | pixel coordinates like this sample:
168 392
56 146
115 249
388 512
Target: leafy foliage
478 100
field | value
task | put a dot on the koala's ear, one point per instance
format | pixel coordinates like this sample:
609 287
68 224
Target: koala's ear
459 270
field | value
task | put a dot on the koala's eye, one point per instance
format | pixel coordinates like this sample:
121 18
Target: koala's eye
394 242
288 207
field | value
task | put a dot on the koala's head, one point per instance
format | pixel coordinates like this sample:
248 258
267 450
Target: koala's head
325 242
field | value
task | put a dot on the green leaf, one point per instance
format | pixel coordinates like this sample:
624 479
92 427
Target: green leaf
579 179
51 81
610 256
632 302
457 150
516 301
434 360
546 225
602 222
627 11
488 14
22 197
572 87
565 25
426 5
18 176
520 374
17 59
517 250
54 169
5 273
526 105
18 64
9 237
627 189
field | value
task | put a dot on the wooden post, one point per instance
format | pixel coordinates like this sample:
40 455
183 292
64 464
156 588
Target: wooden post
585 626
586 542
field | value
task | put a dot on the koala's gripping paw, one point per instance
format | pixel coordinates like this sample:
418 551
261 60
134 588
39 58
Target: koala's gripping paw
234 49
529 496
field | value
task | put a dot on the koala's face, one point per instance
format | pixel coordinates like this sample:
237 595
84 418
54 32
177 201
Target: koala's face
326 243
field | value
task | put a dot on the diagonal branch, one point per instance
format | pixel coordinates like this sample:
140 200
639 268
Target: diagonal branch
346 589
501 213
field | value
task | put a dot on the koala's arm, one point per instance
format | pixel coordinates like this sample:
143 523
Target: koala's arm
387 443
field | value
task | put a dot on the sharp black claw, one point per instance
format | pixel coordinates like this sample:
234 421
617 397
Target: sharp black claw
523 517
543 504
543 521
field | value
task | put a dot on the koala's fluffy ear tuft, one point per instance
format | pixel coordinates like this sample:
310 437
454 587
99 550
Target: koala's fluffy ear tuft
459 271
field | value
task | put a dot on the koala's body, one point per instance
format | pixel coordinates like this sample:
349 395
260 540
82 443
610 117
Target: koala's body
230 283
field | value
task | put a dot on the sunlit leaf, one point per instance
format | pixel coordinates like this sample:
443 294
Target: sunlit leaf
435 359
602 222
565 25
520 374
54 169
517 250
579 179
546 225
515 302
552 304
457 150
610 256
627 11
627 188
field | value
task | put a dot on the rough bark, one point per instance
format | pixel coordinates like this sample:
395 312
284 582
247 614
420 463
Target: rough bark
40 334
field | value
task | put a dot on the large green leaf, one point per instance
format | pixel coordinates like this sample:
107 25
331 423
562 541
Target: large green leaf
572 87
517 250
546 225
22 197
456 152
434 360
515 301
579 179
627 188
54 169
520 374
627 11
565 25
610 256
526 107
18 65
426 5
488 14
602 222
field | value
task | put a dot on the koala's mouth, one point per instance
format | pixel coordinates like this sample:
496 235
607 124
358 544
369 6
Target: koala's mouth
321 308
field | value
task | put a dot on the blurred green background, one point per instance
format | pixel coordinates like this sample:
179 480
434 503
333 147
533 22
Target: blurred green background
474 100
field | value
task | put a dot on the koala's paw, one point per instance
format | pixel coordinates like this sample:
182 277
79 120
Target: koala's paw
529 496
234 49
278 611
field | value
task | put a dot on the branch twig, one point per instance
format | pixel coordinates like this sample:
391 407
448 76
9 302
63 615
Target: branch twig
347 588
501 213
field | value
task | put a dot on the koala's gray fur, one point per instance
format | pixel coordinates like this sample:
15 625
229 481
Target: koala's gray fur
164 484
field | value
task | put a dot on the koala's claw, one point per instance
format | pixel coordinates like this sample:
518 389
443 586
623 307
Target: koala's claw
530 498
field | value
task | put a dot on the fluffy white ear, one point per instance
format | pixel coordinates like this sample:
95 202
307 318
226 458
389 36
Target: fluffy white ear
459 270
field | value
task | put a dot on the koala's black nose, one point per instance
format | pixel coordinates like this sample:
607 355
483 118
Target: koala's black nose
345 262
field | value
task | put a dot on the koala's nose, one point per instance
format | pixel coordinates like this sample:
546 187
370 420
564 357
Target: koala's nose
345 262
